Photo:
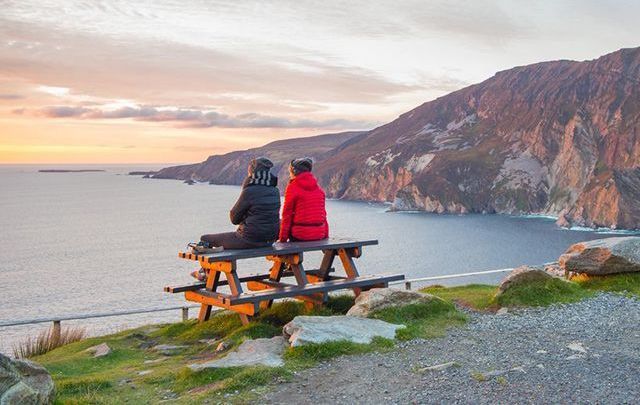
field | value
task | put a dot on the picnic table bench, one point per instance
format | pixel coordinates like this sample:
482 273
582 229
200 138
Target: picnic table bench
311 286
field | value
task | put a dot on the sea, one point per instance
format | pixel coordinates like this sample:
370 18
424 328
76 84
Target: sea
81 243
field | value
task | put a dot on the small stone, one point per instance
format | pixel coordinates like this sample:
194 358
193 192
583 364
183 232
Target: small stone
541 352
100 350
577 347
168 350
502 311
158 360
574 357
495 373
168 347
125 381
145 372
540 366
223 346
439 367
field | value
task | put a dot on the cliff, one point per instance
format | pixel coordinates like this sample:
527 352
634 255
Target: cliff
557 138
231 168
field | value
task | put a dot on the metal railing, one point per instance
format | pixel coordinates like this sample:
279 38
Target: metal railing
185 309
408 283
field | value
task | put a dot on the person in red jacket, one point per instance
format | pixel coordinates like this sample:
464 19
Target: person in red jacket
304 216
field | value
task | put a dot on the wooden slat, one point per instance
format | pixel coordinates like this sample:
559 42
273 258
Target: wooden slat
278 249
324 286
317 298
212 298
253 277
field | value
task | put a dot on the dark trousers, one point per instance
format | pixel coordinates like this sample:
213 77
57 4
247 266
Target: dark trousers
231 240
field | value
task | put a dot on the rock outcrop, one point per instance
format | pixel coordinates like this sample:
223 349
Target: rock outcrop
257 352
379 298
603 256
558 138
24 382
319 329
522 275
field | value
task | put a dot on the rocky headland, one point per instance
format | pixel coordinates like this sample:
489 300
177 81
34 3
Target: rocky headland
558 138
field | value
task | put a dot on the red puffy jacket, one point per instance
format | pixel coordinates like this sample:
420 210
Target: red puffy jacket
304 216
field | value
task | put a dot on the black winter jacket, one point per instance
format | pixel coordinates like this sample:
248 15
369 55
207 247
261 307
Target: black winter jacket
257 211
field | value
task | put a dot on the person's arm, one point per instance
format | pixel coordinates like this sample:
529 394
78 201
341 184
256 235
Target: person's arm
326 228
287 214
239 211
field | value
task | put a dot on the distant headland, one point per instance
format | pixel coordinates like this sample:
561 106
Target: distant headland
69 170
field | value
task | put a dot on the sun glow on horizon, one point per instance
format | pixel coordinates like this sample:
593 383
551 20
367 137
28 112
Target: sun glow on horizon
121 82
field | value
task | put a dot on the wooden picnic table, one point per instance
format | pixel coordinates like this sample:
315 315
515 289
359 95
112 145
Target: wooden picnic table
311 286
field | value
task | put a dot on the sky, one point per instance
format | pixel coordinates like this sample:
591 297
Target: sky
121 81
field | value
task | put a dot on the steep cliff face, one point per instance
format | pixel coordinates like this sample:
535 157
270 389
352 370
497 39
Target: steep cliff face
231 168
560 138
557 138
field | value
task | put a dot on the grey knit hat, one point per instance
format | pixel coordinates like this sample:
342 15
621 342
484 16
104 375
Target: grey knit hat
260 164
302 165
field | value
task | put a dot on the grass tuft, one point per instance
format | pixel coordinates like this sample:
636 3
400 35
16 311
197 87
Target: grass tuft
476 296
626 283
309 354
46 341
424 320
542 293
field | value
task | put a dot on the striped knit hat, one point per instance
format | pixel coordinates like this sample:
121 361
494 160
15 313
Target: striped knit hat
260 172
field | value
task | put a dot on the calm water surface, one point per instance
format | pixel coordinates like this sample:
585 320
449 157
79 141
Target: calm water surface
76 243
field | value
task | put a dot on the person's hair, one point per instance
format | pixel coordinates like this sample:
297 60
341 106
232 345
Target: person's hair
260 164
301 165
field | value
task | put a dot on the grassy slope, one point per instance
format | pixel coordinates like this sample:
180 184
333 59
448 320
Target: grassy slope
483 297
114 378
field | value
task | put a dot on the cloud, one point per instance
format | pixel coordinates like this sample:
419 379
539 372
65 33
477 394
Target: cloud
11 97
197 118
156 71
62 111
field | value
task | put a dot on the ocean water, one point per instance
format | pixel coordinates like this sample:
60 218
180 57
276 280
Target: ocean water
80 243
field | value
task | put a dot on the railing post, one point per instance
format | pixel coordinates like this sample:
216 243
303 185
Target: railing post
407 285
185 314
55 332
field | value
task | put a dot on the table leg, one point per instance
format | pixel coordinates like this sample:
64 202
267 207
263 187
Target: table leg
327 262
274 275
212 285
236 289
349 267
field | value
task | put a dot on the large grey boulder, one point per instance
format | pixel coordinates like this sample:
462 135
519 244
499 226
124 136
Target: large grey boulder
24 382
522 275
319 329
379 298
257 352
603 256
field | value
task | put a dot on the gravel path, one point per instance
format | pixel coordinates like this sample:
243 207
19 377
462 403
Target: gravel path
575 353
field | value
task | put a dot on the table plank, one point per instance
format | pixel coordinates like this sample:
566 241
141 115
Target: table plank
324 286
278 249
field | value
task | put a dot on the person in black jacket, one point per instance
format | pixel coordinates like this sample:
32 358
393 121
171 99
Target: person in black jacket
257 212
